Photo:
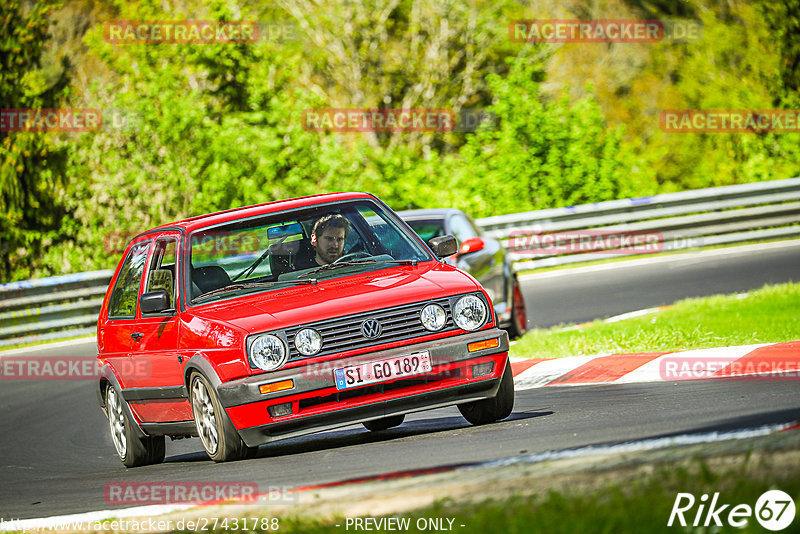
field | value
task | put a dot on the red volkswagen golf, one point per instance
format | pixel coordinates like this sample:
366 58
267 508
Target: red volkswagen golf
287 318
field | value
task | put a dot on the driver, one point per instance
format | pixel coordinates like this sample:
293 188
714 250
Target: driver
327 238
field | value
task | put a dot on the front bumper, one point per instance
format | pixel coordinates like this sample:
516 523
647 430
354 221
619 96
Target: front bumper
318 406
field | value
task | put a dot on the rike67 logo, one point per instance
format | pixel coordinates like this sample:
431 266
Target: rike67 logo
774 510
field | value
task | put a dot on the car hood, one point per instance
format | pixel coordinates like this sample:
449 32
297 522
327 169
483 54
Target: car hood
338 297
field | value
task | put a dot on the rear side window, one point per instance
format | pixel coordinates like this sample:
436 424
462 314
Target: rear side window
126 291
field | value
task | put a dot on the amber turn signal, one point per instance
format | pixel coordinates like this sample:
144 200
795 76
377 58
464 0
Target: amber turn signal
482 345
272 387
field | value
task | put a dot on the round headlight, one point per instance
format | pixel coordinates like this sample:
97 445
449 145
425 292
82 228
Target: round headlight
268 352
308 341
433 317
470 312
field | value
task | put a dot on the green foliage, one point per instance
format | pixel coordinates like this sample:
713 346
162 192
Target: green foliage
743 62
193 128
31 163
542 153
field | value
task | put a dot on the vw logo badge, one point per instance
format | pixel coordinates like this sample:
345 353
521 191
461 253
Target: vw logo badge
371 329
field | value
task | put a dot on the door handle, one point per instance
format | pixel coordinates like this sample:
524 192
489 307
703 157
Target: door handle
137 336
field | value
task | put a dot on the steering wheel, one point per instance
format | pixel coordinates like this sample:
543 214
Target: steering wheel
352 256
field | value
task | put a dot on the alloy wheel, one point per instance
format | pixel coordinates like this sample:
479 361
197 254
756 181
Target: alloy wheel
204 416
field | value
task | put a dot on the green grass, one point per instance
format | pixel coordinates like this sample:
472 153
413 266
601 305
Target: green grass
770 314
636 506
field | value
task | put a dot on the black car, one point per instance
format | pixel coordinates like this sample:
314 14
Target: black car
479 255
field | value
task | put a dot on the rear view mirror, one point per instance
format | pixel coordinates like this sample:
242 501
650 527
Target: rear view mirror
443 246
284 231
154 301
473 244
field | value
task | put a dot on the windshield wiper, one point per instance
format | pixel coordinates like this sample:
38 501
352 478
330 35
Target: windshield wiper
331 266
336 265
401 262
251 285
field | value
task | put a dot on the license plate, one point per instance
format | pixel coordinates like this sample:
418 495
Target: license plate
382 370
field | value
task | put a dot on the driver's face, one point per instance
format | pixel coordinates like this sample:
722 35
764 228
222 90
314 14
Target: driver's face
330 245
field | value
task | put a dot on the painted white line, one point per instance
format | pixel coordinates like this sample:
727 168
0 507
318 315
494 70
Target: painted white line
631 315
634 446
54 345
758 247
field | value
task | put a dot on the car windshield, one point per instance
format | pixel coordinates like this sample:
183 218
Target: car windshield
296 247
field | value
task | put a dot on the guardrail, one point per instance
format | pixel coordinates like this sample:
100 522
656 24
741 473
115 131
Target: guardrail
672 221
66 306
51 308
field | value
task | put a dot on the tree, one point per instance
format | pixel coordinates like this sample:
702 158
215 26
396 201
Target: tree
541 153
31 163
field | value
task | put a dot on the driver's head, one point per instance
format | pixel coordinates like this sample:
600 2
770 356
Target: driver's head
328 237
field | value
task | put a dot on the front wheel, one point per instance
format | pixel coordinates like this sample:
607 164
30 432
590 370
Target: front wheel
489 410
220 439
133 450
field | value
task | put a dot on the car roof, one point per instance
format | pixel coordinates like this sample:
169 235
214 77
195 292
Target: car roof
433 213
210 219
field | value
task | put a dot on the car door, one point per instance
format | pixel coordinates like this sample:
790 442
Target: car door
117 323
161 393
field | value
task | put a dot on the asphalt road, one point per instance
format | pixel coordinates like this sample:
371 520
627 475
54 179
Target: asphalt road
56 454
579 295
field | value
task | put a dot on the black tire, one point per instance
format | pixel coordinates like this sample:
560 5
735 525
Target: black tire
132 449
385 423
519 318
220 439
490 410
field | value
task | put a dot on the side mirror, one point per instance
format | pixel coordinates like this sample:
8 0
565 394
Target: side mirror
443 246
473 244
154 301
